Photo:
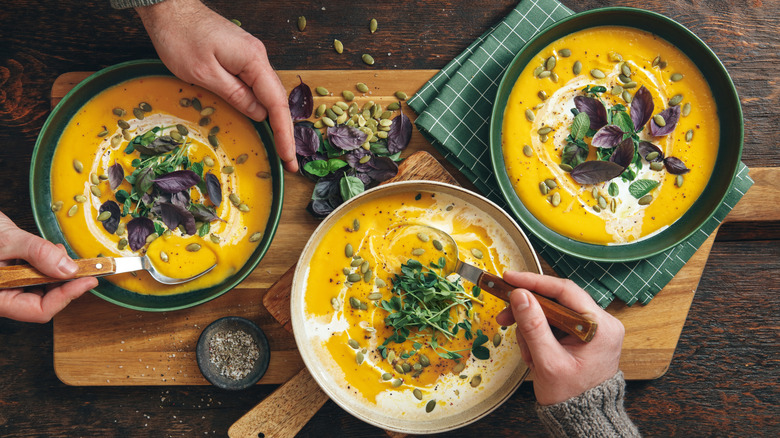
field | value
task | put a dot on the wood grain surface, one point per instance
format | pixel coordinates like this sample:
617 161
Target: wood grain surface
722 380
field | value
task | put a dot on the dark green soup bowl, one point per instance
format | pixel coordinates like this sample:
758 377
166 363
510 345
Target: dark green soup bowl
40 193
729 148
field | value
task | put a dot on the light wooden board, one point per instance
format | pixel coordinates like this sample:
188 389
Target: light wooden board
98 343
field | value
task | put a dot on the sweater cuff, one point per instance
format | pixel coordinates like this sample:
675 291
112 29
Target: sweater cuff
598 412
125 4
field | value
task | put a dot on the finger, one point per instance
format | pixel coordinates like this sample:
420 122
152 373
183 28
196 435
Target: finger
505 317
562 290
56 299
524 352
532 327
42 254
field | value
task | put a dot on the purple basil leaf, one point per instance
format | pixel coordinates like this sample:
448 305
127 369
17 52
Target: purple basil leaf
138 230
624 153
594 172
326 195
173 215
353 159
116 174
382 169
399 135
594 109
203 213
365 178
111 223
213 189
144 180
301 102
645 147
177 181
672 116
675 166
346 137
307 142
148 199
159 145
181 199
607 137
642 107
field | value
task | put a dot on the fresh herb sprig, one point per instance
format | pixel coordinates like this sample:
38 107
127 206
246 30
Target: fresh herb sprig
426 302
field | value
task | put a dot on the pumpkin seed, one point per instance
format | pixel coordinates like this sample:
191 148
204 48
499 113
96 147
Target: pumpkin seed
554 77
363 88
103 133
675 100
214 238
152 237
423 237
623 78
95 190
354 278
460 366
375 296
689 135
138 113
208 161
391 357
556 199
497 339
380 283
176 136
542 95
598 74
550 63
185 102
348 250
617 90
545 74
424 361
397 383
213 141
119 112
256 236
476 380
359 357
373 25
364 266
656 165
686 109
121 228
116 140
338 46
613 205
429 407
204 121
353 343
651 156
234 199
322 91
476 253
320 110
93 178
193 247
627 96
602 202
543 188
565 167
659 120
163 255
328 122
614 56
549 182
356 262
348 96
645 200
387 376
102 217
418 252
301 23
332 114
367 59
577 68
205 112
564 53
528 151
77 166
595 193
676 77
544 131
356 224
385 122
122 243
613 190
57 206
596 209
678 180
406 367
196 104
243 207
625 69
228 169
335 303
656 60
538 71
394 106
399 369
103 177
417 394
241 159
263 175
145 107
630 85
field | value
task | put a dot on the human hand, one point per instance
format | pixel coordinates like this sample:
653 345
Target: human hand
202 47
37 304
567 367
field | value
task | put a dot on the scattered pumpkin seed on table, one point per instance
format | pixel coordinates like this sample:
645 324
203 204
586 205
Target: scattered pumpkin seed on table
301 23
373 25
367 59
338 46
322 91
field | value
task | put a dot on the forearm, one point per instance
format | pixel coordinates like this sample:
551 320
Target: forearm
125 4
598 412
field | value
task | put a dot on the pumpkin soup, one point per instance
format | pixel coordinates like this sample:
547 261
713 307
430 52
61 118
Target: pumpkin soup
159 167
610 135
386 317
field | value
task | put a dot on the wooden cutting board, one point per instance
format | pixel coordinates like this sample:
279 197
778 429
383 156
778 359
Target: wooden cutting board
98 343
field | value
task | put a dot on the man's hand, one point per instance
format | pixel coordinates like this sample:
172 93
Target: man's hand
202 47
567 367
37 304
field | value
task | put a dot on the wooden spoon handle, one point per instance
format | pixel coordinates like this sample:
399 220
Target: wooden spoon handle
27 275
557 315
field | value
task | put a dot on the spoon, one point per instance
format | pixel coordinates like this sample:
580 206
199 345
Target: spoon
557 315
27 275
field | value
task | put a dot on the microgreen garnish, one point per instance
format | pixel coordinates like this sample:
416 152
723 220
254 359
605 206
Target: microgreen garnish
429 306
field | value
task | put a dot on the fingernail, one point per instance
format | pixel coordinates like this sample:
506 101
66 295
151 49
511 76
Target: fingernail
67 266
252 108
521 300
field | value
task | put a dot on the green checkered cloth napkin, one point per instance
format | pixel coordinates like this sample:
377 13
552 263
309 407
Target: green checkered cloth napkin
454 110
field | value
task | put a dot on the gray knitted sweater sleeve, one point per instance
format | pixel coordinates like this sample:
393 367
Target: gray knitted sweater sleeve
124 4
598 412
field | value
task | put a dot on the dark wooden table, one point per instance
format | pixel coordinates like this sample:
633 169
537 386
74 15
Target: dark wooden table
723 378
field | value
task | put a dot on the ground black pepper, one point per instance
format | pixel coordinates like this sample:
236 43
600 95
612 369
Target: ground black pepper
233 352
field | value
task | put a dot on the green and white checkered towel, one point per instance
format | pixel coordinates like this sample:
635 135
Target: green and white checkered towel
454 110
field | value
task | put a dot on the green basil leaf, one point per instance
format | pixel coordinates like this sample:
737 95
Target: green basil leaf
317 167
623 121
580 126
641 187
335 164
350 186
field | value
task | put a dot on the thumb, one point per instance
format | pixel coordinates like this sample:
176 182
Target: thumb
42 254
532 326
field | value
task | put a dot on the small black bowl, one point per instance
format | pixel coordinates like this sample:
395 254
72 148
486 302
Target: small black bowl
210 370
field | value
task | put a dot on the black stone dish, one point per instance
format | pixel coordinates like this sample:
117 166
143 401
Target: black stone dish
211 372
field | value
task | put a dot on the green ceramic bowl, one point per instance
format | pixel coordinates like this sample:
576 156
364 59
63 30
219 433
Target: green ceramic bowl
40 183
729 152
